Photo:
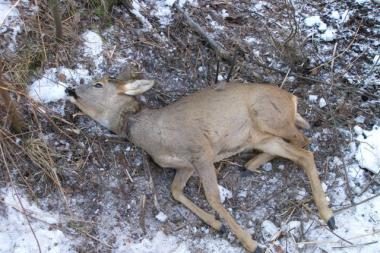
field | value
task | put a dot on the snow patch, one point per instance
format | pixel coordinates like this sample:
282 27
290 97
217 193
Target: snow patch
335 15
161 217
360 119
359 225
362 1
163 12
313 98
243 194
163 9
313 21
93 47
224 193
322 103
10 22
269 230
160 243
224 13
136 11
50 88
368 152
267 166
329 34
16 234
214 24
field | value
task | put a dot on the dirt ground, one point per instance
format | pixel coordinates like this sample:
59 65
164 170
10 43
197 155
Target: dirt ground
105 181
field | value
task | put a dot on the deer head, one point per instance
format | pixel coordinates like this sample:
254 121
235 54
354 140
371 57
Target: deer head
108 100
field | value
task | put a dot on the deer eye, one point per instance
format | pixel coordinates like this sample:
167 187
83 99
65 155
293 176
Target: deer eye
98 85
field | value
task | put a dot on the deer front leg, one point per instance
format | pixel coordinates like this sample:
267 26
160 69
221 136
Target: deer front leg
179 183
297 139
278 147
258 160
263 158
207 174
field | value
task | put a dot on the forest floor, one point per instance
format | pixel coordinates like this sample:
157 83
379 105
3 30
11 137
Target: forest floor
69 185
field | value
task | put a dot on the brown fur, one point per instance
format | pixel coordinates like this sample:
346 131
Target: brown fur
208 126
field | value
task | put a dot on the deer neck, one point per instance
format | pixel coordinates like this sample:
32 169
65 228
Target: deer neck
126 119
138 125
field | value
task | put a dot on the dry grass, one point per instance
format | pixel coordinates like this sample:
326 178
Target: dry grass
29 160
38 44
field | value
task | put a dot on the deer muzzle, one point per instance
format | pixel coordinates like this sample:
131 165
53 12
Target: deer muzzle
71 92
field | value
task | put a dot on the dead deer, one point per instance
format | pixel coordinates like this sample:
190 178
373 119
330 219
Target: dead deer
203 128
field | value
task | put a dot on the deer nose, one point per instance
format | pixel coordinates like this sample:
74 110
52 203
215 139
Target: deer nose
71 92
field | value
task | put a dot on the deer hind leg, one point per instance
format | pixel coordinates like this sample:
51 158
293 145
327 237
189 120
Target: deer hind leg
207 174
278 147
294 136
179 183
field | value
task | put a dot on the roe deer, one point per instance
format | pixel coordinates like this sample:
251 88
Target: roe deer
203 128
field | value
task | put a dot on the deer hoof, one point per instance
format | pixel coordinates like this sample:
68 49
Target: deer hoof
245 173
331 223
223 230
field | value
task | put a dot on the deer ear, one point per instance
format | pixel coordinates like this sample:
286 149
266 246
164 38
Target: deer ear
137 87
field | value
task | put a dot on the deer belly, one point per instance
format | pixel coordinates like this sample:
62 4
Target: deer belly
233 143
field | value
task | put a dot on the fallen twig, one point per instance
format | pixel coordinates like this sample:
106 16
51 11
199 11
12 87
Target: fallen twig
355 245
345 240
330 242
294 74
222 53
369 183
151 183
356 204
142 213
285 78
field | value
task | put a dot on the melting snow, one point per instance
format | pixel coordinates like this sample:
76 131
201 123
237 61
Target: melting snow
224 193
313 20
136 11
313 98
267 166
360 225
269 230
322 103
335 15
8 12
162 243
329 34
163 12
9 21
16 234
50 88
368 152
93 47
161 217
